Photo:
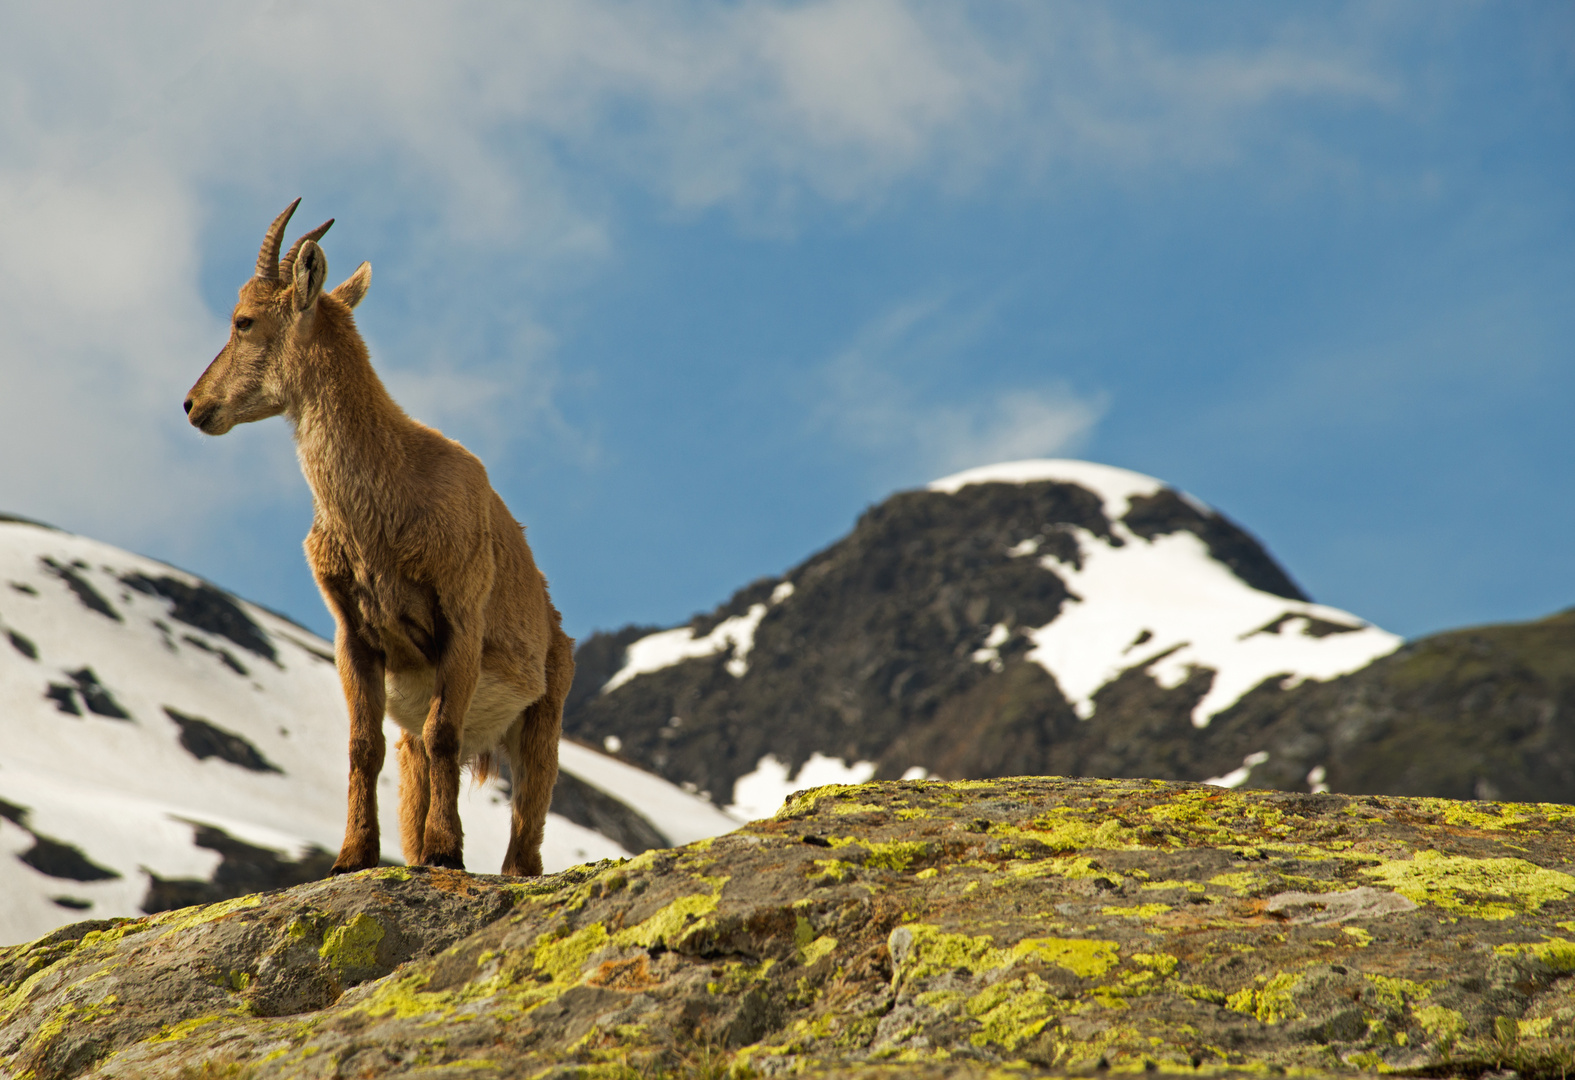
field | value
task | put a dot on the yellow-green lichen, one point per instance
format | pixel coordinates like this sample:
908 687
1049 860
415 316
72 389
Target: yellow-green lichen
1240 883
931 951
1538 1027
175 1032
1396 993
831 872
1476 888
665 926
353 946
803 803
1080 956
1557 954
1076 867
1163 963
857 808
897 855
1011 1013
1064 829
815 950
1487 816
810 947
111 934
185 918
735 976
1441 1024
1272 1002
563 957
1137 911
71 1015
1199 992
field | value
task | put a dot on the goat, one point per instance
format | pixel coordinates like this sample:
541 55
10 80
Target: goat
442 618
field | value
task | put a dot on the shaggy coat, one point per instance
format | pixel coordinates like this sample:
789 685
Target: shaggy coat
443 621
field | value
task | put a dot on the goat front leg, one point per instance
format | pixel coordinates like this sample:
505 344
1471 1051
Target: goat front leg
458 670
361 673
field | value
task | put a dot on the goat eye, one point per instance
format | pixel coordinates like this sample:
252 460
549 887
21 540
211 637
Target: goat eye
243 323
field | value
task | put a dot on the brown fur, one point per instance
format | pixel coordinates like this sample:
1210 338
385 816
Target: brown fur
443 620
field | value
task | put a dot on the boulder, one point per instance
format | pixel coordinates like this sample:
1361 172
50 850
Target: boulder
1033 925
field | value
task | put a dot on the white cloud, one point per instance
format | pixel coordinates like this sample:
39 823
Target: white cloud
876 398
484 144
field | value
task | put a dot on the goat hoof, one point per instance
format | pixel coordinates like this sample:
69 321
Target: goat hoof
446 862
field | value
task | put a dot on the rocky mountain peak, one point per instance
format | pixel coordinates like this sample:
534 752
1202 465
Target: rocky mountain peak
972 628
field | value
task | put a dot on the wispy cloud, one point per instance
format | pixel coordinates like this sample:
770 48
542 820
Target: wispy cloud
877 400
486 145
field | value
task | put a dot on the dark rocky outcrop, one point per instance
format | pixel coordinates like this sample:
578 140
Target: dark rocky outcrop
206 608
1029 926
86 594
57 859
203 740
84 684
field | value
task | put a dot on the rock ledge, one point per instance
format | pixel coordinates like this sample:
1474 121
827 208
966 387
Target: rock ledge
1029 926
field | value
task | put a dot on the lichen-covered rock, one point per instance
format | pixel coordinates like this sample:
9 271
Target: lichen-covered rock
974 928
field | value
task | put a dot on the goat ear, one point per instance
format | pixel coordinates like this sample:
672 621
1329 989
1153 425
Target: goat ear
310 271
353 289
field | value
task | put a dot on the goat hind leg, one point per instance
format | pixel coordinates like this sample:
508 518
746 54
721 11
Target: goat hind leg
533 760
415 794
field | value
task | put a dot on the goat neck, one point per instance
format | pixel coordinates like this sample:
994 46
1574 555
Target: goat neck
349 434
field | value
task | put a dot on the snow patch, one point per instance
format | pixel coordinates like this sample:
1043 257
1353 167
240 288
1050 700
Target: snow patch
668 647
1198 614
1237 777
1318 780
761 793
1115 487
991 653
665 648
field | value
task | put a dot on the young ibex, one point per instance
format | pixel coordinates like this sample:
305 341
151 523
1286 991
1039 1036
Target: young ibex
443 619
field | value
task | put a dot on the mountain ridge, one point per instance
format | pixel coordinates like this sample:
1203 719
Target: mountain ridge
958 642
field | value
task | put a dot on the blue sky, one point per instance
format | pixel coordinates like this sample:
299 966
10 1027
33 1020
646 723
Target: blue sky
700 282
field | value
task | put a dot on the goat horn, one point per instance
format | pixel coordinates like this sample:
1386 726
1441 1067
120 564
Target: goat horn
287 264
268 257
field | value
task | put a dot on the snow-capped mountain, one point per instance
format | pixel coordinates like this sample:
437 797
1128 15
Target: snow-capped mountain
1154 594
164 743
1051 617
